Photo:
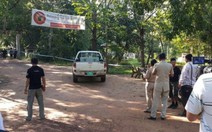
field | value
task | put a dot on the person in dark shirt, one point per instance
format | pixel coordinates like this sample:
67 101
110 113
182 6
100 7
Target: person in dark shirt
15 53
173 92
4 53
35 86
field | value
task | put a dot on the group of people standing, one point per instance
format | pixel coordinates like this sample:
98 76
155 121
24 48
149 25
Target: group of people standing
164 80
12 52
157 86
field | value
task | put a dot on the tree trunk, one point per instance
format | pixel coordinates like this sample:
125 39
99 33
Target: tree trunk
142 47
162 46
94 31
94 40
18 42
151 53
50 39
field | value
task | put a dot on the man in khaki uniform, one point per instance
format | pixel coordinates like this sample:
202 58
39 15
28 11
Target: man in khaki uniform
163 71
149 87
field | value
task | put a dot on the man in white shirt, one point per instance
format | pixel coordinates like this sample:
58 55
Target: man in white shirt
187 79
200 103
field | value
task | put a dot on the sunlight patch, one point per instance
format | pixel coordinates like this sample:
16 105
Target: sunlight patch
72 104
92 119
66 73
101 97
6 104
178 118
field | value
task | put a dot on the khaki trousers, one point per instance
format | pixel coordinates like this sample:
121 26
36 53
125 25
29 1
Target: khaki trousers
39 96
161 92
149 87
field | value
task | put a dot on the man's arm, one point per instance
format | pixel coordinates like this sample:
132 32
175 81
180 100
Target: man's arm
148 74
154 71
43 82
26 86
171 72
182 75
191 117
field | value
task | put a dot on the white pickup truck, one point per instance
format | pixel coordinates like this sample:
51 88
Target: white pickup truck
89 64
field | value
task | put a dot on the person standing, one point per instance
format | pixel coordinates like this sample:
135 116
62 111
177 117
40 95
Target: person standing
187 79
4 53
11 52
15 53
173 92
162 70
149 87
199 104
35 86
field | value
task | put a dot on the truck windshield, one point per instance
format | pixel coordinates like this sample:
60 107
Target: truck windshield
89 57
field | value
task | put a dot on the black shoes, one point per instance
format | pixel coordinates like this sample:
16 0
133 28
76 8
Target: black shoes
151 118
163 118
28 119
170 106
173 106
147 111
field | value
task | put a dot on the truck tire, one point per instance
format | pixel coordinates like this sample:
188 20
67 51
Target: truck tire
75 78
103 78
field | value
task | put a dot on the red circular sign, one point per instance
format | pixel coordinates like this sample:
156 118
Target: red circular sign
39 18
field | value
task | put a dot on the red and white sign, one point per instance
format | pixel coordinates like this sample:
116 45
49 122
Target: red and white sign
56 20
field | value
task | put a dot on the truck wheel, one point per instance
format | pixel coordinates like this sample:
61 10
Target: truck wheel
103 78
75 78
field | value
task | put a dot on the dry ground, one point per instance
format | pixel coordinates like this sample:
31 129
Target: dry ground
89 106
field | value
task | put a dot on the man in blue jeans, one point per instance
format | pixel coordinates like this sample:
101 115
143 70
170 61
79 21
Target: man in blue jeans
35 85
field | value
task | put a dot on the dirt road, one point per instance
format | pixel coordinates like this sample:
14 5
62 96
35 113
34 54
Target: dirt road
89 106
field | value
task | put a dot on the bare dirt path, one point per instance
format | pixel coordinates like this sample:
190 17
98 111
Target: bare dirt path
89 106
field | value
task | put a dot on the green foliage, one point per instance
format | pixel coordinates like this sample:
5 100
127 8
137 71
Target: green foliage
145 27
119 70
130 62
193 18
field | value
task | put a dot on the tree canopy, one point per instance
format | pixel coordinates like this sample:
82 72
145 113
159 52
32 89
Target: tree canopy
115 27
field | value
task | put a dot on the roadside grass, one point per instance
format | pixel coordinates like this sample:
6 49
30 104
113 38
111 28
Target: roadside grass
124 67
119 69
130 62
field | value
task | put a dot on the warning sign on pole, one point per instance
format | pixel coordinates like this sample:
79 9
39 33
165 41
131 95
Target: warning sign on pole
57 20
